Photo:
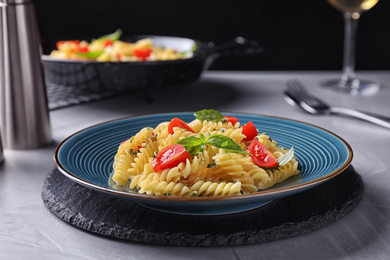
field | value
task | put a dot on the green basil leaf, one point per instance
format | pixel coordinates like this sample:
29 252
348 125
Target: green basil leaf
193 144
194 47
226 143
192 50
209 115
287 157
90 54
113 36
202 138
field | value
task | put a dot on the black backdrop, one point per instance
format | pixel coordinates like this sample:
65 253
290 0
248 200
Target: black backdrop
296 35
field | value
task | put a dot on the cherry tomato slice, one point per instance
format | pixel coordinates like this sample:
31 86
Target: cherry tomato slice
60 43
249 130
142 53
231 119
261 155
82 49
170 157
108 42
177 122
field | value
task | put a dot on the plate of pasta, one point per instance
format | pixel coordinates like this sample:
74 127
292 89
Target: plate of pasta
202 163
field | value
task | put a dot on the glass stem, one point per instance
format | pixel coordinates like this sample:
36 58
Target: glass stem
348 74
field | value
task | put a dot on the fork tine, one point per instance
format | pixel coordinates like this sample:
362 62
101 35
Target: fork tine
296 86
307 101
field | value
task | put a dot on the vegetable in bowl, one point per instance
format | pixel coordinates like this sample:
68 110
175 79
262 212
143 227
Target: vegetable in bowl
109 48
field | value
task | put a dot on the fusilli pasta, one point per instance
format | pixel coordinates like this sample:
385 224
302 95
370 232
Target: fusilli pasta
212 170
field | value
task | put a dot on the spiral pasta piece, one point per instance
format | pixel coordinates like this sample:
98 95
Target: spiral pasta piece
121 165
265 140
144 135
170 175
235 134
233 167
201 161
143 157
123 148
258 175
279 175
161 131
229 163
164 188
137 179
196 125
209 126
209 188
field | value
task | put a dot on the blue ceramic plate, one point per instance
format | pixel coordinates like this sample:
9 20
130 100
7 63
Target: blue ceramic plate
86 157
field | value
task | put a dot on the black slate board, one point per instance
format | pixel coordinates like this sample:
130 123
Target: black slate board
122 219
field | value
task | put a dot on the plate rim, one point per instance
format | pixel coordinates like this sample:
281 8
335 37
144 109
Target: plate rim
254 195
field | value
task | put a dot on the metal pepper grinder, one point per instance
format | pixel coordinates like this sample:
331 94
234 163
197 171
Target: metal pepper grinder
25 122
1 153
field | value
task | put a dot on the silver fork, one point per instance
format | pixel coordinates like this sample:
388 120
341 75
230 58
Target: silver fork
296 94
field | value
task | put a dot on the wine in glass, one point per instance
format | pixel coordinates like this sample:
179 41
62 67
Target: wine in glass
351 9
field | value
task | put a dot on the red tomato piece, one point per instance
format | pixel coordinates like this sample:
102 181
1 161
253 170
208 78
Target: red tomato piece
124 141
231 119
170 157
60 43
261 155
177 122
249 130
82 49
108 42
142 53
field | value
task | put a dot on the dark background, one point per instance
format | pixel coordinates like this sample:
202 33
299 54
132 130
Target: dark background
296 35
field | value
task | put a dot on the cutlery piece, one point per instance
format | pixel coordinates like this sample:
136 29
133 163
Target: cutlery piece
296 94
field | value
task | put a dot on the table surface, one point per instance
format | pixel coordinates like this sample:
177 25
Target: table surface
28 230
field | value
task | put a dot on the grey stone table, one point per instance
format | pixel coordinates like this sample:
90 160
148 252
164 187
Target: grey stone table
28 230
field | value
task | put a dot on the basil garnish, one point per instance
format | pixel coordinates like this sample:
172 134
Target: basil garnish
287 157
192 50
226 143
113 36
194 47
90 54
209 115
195 145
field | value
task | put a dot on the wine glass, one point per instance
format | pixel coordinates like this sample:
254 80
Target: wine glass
351 9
